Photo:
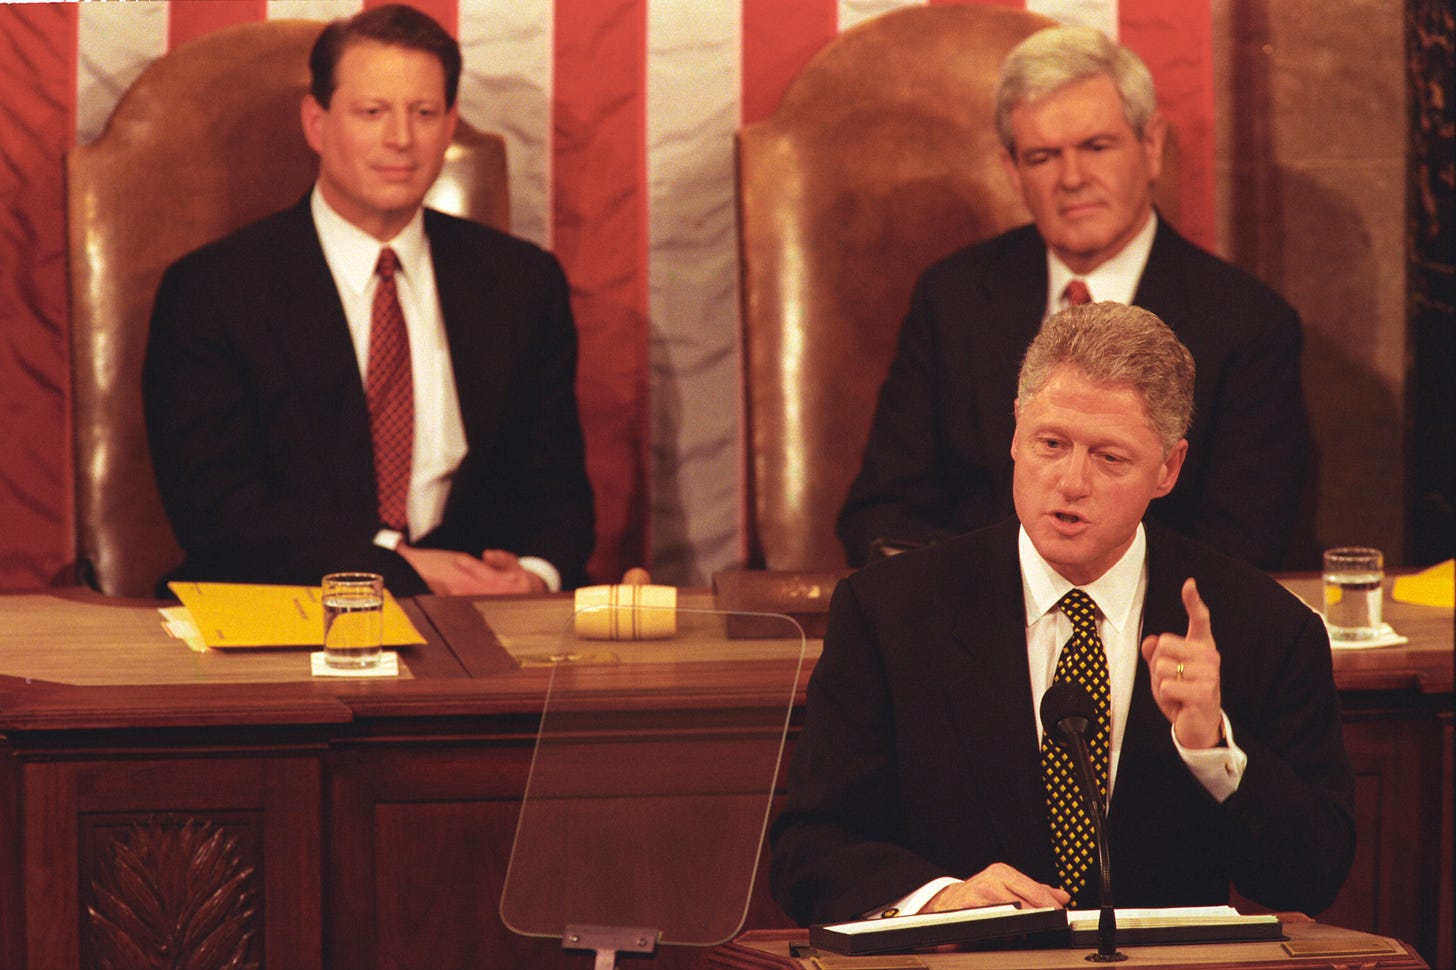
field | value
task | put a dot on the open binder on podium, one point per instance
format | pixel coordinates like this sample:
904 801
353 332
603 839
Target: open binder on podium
651 785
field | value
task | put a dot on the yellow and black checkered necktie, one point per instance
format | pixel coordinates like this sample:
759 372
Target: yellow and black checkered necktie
1083 661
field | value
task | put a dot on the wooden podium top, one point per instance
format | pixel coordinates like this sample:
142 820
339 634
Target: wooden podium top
1309 945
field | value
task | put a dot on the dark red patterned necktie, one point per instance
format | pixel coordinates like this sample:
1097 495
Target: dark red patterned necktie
1076 293
390 394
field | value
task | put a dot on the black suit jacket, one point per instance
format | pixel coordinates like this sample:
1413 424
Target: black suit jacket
938 458
260 433
919 754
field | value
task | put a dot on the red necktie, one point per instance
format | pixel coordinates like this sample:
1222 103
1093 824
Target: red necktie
1076 293
390 393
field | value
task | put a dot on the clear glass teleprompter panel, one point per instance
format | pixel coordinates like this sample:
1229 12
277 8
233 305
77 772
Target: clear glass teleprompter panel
654 769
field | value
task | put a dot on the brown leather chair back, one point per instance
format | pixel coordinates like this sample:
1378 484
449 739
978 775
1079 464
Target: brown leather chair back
881 159
206 140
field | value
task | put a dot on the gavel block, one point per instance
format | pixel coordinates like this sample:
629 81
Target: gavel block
626 611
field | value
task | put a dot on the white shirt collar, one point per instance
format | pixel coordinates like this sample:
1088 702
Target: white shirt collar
1114 592
1116 279
352 253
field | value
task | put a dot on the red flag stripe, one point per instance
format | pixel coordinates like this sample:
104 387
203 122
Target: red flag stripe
37 117
189 20
1176 41
778 40
599 219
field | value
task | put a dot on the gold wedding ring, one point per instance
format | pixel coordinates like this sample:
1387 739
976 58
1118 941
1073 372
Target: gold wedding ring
1178 671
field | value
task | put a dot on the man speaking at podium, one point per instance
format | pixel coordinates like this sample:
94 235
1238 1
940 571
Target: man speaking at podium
921 782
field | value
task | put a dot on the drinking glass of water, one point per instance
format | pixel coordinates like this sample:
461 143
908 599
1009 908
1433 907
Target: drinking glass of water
353 619
1353 578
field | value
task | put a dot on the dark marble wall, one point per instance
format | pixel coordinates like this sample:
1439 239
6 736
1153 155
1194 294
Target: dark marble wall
1312 144
1431 384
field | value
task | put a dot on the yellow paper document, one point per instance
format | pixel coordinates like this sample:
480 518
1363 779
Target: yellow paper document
236 615
1429 587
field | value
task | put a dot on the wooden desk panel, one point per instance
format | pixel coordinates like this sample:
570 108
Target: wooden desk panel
397 857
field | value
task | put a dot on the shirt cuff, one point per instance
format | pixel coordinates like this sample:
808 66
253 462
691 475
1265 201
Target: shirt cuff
540 567
1219 770
914 902
388 539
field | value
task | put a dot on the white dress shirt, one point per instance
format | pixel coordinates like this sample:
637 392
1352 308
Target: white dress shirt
1116 280
439 433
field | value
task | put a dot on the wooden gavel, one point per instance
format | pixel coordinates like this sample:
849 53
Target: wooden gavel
633 609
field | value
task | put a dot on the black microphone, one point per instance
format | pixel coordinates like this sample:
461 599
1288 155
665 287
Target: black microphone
1067 712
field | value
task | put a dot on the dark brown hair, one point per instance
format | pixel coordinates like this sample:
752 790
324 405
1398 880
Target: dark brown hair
394 24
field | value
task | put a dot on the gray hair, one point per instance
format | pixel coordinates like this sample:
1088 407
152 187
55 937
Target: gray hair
1055 57
1113 343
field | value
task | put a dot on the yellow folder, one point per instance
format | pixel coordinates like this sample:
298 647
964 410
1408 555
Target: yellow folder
1429 587
235 615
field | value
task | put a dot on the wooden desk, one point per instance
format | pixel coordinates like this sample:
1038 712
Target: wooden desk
367 823
1397 705
770 950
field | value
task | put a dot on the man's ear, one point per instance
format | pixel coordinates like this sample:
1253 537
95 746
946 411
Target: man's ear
1172 465
1013 174
311 115
1155 136
1015 428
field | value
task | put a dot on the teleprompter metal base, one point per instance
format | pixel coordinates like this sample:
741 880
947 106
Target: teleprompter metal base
608 941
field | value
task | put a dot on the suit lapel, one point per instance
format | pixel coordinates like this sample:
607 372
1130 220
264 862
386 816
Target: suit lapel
465 278
1163 288
998 706
1147 747
1017 308
311 337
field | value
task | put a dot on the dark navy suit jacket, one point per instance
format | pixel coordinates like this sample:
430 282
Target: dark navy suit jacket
260 433
919 756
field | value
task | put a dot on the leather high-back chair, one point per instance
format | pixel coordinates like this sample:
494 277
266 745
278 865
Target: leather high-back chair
205 141
881 159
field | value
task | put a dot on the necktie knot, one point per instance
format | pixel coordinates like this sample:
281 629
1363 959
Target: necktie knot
388 263
1076 293
1080 609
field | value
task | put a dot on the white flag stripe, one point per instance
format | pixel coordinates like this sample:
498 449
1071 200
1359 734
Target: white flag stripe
694 57
852 13
1101 14
506 88
312 9
115 42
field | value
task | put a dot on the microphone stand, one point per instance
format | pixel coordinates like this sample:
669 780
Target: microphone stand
1072 728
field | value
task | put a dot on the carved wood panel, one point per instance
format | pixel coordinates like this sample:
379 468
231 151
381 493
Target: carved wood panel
171 892
173 863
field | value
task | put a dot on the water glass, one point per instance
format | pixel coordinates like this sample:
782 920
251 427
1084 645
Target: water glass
353 619
1353 582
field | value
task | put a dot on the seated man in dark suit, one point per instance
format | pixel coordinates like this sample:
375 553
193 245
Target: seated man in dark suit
1083 143
360 383
921 781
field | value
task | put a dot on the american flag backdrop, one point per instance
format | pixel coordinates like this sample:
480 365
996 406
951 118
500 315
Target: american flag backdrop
619 117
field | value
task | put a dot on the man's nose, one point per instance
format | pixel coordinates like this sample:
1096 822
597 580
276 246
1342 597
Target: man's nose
1074 479
399 130
1071 169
